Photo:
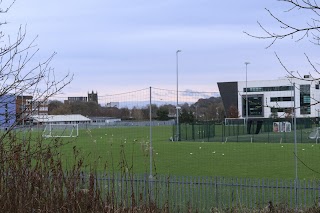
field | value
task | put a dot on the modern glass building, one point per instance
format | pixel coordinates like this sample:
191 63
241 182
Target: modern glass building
268 98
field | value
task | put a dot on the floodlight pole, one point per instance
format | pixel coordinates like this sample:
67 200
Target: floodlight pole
150 135
150 148
177 107
295 147
247 107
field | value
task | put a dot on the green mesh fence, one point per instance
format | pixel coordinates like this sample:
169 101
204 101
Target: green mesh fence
219 132
266 133
202 131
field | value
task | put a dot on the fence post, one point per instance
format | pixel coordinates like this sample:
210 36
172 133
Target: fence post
223 131
192 131
238 132
216 191
214 130
150 149
208 131
319 195
268 129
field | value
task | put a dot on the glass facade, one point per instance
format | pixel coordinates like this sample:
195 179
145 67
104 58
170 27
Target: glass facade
305 108
255 106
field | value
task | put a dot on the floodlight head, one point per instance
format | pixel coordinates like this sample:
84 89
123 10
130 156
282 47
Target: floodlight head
246 63
178 51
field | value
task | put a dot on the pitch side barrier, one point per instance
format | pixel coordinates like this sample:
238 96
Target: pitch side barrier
257 130
126 124
278 130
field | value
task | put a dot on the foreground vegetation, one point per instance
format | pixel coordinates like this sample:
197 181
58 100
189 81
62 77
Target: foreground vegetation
33 176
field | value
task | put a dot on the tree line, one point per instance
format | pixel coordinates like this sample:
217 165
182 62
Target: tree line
210 109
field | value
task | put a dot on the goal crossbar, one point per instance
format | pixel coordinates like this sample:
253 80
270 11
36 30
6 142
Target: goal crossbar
60 131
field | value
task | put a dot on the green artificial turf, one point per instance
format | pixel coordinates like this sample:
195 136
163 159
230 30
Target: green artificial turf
127 149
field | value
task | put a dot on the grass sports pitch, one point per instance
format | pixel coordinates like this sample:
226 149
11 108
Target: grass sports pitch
115 148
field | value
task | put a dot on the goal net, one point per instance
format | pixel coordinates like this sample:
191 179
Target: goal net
235 121
60 130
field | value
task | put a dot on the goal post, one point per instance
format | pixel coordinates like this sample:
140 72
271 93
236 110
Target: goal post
314 135
60 131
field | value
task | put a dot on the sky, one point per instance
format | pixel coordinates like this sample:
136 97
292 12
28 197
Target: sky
125 45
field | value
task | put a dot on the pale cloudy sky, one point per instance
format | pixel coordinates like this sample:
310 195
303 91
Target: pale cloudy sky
113 46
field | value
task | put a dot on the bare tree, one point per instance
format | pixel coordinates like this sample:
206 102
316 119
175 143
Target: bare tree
19 74
290 27
137 113
293 29
233 112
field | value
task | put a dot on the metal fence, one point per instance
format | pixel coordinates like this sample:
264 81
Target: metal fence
203 194
220 132
217 132
204 131
266 133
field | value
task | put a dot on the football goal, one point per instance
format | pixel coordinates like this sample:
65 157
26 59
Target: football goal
60 131
315 134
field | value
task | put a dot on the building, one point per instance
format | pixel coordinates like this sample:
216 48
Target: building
20 109
61 119
77 99
113 105
272 98
93 97
23 109
7 111
104 120
40 108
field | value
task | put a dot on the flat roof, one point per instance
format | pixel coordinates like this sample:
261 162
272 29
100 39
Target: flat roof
60 118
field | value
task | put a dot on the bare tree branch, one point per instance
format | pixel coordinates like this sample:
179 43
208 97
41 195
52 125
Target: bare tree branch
20 76
290 30
294 30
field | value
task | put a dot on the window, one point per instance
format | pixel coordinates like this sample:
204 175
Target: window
305 99
255 106
268 89
286 109
280 99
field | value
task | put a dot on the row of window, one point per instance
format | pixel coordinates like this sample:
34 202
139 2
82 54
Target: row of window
303 110
268 89
285 109
85 99
279 99
305 99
